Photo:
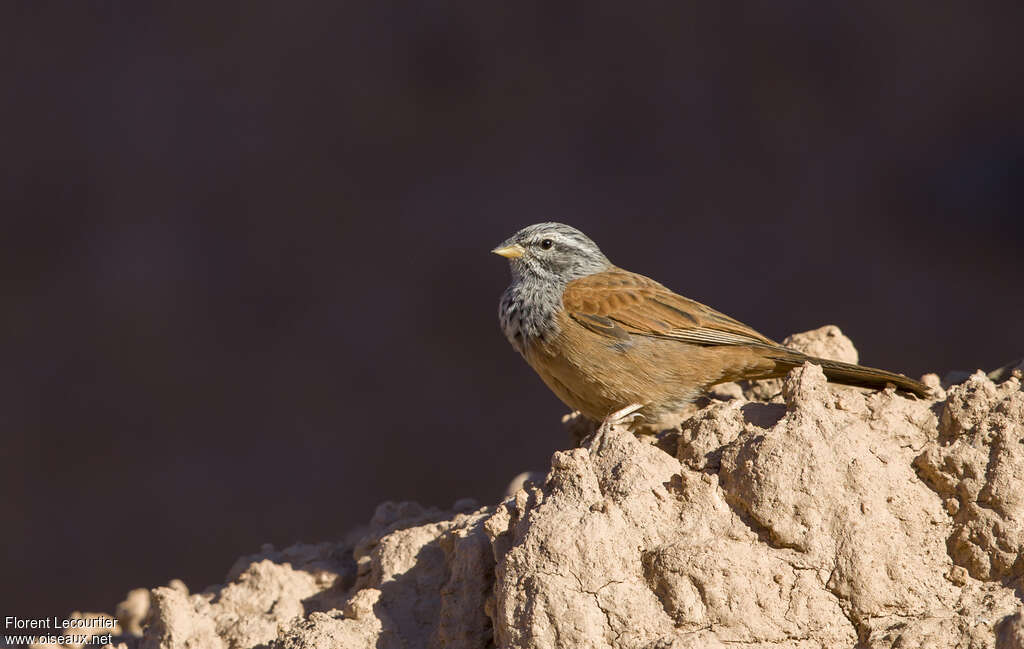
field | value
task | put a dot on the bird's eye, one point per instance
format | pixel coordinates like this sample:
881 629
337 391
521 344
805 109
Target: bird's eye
546 244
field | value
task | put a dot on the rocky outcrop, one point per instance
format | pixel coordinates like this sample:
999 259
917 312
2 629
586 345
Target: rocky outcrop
785 514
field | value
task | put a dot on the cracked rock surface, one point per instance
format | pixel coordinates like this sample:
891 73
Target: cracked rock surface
790 513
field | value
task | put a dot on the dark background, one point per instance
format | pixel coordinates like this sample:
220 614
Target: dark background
246 286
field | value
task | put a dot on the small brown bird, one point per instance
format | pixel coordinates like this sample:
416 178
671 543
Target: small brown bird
614 344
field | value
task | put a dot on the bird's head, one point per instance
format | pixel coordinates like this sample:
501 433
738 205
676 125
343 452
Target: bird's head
552 252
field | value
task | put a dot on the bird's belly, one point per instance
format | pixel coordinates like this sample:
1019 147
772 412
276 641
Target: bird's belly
598 379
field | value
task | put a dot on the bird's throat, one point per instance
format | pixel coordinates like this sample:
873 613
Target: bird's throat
528 311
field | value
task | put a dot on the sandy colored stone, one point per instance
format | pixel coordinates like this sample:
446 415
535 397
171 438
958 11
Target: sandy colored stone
415 577
132 612
787 480
977 466
788 514
827 342
1010 632
88 633
703 436
176 621
824 342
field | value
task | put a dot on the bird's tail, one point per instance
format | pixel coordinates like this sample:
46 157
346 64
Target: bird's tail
850 374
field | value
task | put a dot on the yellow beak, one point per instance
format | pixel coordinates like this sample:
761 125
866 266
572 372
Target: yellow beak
510 252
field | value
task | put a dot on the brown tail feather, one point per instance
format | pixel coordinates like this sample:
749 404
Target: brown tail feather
849 374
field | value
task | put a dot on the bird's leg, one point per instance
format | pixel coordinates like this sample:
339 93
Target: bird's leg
622 416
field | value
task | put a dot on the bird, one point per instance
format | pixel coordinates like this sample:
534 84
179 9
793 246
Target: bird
615 345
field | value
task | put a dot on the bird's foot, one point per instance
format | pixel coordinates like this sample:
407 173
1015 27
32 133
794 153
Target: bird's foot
622 417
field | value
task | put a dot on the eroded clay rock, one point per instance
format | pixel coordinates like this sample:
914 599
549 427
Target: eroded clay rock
1010 632
977 466
796 525
106 625
827 483
824 342
791 514
415 578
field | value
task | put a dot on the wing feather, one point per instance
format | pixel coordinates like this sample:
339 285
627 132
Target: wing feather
618 303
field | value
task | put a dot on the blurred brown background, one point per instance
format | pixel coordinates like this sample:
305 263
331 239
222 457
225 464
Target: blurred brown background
247 292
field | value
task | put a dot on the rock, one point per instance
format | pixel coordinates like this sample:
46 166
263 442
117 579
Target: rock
824 342
977 465
132 612
519 481
83 630
1010 632
792 514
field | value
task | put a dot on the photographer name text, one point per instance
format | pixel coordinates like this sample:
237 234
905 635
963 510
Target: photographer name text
14 622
